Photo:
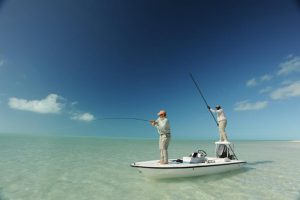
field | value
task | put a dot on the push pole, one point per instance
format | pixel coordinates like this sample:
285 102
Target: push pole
198 88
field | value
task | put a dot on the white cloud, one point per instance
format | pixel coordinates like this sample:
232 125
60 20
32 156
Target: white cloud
246 105
74 103
289 56
1 62
289 66
265 90
252 82
48 105
265 77
286 82
288 91
83 117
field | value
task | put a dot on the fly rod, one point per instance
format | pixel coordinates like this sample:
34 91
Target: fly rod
121 118
198 88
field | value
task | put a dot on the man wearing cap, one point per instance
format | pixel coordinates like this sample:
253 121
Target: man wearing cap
163 128
222 121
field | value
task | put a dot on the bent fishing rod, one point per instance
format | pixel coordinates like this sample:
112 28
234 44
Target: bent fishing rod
198 88
122 118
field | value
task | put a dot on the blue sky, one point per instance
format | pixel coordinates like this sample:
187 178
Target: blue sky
65 64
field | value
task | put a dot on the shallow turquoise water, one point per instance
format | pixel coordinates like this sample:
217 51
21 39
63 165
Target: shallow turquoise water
66 168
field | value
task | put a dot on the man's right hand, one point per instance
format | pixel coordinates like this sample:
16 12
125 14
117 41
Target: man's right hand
152 122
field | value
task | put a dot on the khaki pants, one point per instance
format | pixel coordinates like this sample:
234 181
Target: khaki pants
222 126
163 147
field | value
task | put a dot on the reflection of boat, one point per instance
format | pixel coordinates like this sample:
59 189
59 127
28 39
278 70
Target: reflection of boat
196 164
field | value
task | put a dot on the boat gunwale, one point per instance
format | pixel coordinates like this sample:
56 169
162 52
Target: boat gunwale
186 167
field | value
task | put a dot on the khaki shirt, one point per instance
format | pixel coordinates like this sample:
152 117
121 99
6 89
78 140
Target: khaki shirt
163 126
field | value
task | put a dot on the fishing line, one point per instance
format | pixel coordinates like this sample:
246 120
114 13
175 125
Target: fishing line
123 118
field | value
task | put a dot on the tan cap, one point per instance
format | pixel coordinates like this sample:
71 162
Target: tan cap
161 112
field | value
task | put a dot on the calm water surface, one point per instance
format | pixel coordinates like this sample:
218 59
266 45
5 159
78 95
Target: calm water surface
68 168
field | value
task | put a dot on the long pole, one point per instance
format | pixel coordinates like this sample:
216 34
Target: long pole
198 88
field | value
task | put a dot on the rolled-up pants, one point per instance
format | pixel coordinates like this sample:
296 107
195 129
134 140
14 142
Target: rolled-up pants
163 147
222 126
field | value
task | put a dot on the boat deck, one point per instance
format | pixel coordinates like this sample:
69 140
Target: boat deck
211 161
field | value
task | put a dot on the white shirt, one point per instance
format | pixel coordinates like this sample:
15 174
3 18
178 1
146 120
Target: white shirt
220 114
163 126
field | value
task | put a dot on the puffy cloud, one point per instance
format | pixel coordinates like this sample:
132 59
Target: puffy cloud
265 90
83 117
1 62
74 103
266 77
286 82
254 82
246 105
48 105
289 66
287 91
251 83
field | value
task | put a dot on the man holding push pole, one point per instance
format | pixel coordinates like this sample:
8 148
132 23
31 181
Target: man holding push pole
222 121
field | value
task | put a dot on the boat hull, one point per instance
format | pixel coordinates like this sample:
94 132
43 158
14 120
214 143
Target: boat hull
177 170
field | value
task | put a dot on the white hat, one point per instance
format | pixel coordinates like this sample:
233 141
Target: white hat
161 112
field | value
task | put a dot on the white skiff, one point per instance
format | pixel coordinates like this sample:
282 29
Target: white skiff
194 165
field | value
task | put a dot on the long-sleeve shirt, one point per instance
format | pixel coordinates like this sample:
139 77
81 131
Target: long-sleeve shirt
220 114
163 126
